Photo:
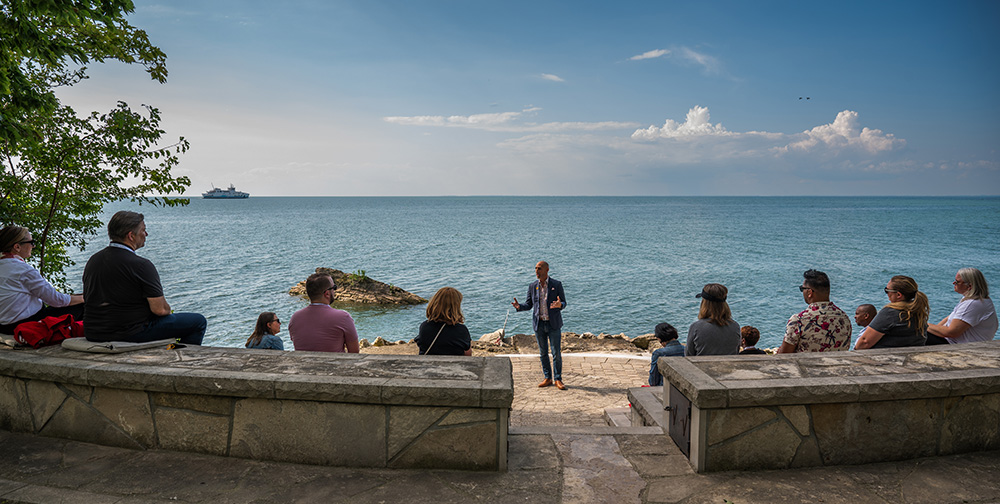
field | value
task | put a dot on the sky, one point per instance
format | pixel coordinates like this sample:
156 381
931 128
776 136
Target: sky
400 98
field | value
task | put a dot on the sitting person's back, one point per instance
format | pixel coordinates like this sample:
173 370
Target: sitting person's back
749 336
319 327
444 331
264 336
124 299
670 347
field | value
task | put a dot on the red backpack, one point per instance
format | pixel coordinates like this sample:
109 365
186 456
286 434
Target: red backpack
48 331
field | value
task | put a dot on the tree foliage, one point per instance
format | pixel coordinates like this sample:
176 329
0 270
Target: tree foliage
57 168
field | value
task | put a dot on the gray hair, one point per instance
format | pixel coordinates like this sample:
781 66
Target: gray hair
122 223
978 289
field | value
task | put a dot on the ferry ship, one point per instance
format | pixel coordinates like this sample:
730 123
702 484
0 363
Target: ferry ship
230 193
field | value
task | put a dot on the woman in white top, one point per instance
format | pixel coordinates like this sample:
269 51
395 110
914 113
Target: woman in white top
24 295
975 317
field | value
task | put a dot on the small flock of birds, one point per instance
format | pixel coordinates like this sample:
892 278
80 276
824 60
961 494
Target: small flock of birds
801 97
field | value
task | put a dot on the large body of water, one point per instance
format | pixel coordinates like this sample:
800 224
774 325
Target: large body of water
627 263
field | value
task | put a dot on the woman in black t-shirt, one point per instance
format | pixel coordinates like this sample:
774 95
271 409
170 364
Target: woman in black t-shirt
902 322
444 331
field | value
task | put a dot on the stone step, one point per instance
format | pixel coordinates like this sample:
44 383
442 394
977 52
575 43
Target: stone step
618 417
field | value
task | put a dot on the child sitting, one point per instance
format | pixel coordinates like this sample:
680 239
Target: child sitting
749 336
670 348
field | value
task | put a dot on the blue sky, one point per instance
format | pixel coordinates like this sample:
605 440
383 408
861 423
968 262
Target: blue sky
346 98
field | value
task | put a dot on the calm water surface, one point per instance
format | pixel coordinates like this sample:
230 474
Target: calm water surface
627 263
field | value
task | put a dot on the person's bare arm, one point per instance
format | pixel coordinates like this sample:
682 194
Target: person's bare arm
159 306
75 299
868 339
954 329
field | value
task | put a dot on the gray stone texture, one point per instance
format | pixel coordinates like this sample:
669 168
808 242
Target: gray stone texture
726 423
129 410
971 423
858 433
467 447
192 431
232 402
310 432
15 411
769 446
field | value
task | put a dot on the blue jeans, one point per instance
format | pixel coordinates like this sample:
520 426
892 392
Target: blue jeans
188 327
546 336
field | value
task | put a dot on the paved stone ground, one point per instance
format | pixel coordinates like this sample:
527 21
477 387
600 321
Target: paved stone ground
593 383
568 461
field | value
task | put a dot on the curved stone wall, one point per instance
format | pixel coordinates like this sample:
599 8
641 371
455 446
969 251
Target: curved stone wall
307 407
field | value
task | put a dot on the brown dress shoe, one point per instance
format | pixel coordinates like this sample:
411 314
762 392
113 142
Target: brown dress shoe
545 383
559 385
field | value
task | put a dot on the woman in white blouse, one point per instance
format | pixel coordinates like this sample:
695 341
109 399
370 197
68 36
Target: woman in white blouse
975 317
24 295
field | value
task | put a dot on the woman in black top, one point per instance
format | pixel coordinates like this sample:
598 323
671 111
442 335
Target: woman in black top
444 331
902 322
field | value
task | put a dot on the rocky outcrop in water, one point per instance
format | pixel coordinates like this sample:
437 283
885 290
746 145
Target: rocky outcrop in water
360 288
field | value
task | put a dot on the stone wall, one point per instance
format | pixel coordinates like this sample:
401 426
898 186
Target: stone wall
776 412
345 410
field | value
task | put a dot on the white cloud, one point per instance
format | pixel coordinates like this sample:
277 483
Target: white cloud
553 78
845 133
697 123
709 63
655 53
506 121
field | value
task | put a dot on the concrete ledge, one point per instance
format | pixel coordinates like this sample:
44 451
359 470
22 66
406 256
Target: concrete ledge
320 408
867 375
784 411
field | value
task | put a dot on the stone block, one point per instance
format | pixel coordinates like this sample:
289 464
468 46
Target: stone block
83 392
127 376
203 403
974 382
190 431
466 415
726 423
129 410
971 423
15 409
798 416
45 398
790 391
896 387
323 388
407 423
467 447
340 434
497 384
808 454
860 433
79 421
431 393
771 446
225 383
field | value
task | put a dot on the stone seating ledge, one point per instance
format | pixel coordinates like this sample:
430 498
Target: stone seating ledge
392 411
856 376
477 382
786 411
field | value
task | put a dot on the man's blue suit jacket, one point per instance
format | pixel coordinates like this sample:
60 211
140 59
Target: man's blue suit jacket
555 314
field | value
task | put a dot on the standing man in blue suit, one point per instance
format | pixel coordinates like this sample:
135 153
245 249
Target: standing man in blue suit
547 298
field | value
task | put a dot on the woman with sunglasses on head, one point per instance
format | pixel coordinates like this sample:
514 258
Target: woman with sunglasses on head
265 335
975 317
902 322
24 295
444 331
